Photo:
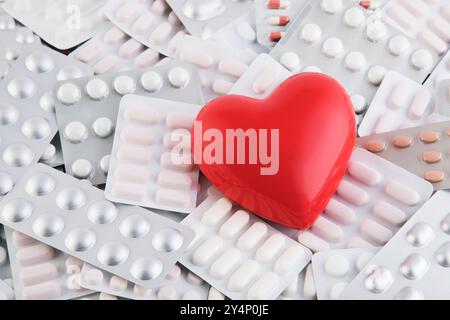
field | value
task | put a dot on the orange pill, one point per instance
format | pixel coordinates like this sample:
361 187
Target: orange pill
431 156
429 136
402 141
375 145
434 176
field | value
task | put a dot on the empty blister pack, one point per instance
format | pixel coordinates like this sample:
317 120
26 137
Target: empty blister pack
427 21
150 22
415 263
151 162
62 23
203 18
238 253
443 97
219 65
179 284
114 51
399 103
335 269
87 110
273 17
41 272
373 200
27 119
261 78
301 287
420 150
441 72
72 216
334 36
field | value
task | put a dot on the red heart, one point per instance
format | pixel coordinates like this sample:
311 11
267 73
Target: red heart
316 125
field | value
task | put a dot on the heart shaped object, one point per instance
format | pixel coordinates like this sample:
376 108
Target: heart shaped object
297 172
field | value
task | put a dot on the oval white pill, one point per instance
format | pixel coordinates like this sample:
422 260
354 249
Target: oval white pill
68 94
81 168
93 277
103 127
246 32
355 61
399 45
311 33
290 61
124 85
421 59
354 17
376 74
179 77
97 89
75 132
332 47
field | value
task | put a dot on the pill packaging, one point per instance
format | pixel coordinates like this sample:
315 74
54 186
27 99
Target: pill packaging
335 269
441 72
373 200
261 78
238 253
62 23
426 21
5 269
114 51
6 292
204 18
27 121
415 263
72 216
41 272
336 37
52 155
420 150
443 97
219 65
399 103
179 284
151 22
151 163
301 287
87 108
274 17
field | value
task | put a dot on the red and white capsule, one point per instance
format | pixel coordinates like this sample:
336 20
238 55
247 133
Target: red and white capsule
276 36
278 20
277 4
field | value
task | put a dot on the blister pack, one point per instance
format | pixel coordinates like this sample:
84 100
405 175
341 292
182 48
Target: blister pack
273 17
27 119
87 110
151 162
114 51
335 36
261 78
415 263
399 103
374 198
238 253
179 284
335 269
203 18
52 155
72 216
442 71
6 292
301 288
151 22
420 150
5 268
41 272
62 23
426 21
443 97
219 65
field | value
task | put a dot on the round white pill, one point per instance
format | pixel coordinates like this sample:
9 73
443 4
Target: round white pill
336 290
179 77
49 153
93 277
336 265
3 256
75 132
398 45
332 47
354 17
290 61
312 69
311 33
124 85
104 163
355 61
103 127
81 168
421 59
151 81
363 259
68 94
376 75
376 31
359 103
331 6
97 89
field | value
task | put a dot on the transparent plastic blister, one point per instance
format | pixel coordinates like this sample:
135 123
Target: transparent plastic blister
6 292
72 216
373 200
62 23
414 265
443 97
238 253
302 287
87 110
441 72
151 162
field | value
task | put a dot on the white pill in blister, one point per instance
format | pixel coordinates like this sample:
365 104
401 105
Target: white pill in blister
389 213
225 263
352 193
175 180
180 120
232 67
174 273
354 17
376 31
399 45
97 89
207 251
290 61
375 231
172 197
118 284
332 47
376 74
414 266
68 94
103 127
215 294
327 229
143 23
124 85
420 104
130 49
309 287
145 59
355 61
235 224
222 87
93 277
378 279
151 81
421 59
364 173
106 64
114 36
397 97
402 193
81 168
179 77
270 248
252 236
106 296
401 16
340 212
217 212
336 289
246 32
243 276
49 153
265 79
288 259
310 240
262 288
432 40
141 115
104 163
161 33
194 279
359 103
75 132
311 33
198 58
331 6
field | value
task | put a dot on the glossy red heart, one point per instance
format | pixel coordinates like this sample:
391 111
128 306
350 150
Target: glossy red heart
316 127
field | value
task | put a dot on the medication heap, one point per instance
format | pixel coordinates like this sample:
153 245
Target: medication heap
95 97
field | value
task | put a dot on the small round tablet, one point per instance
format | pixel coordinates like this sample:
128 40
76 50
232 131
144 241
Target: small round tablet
398 45
124 85
49 153
81 168
331 6
97 89
376 75
68 94
355 61
354 17
47 102
290 61
421 59
104 163
151 81
332 47
359 103
376 31
75 132
103 127
336 265
179 77
311 33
